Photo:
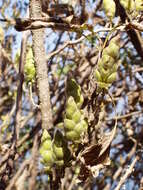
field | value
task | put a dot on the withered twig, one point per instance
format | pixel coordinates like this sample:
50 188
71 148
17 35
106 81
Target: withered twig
34 164
125 116
20 85
127 174
119 170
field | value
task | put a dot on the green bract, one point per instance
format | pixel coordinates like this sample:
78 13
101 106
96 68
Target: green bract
74 90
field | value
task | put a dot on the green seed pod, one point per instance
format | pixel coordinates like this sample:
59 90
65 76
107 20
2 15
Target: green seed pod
42 150
105 58
47 144
45 136
48 157
59 163
76 116
71 107
129 5
111 63
29 72
73 113
97 75
72 135
110 8
81 127
104 73
114 68
47 169
107 66
60 125
58 151
103 85
112 50
29 68
107 61
112 78
139 5
69 124
124 3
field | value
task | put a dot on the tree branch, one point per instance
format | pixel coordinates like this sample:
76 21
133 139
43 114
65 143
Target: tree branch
127 174
41 67
20 84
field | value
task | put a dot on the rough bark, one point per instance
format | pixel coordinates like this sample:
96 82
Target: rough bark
41 67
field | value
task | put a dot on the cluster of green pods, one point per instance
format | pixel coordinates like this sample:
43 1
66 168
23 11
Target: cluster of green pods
53 152
29 67
54 149
132 5
129 5
74 123
106 70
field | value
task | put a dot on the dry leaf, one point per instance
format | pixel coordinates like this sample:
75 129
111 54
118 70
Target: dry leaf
96 156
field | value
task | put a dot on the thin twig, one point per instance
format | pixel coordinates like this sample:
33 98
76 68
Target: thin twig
20 85
72 182
80 40
34 164
127 174
125 116
136 25
119 170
